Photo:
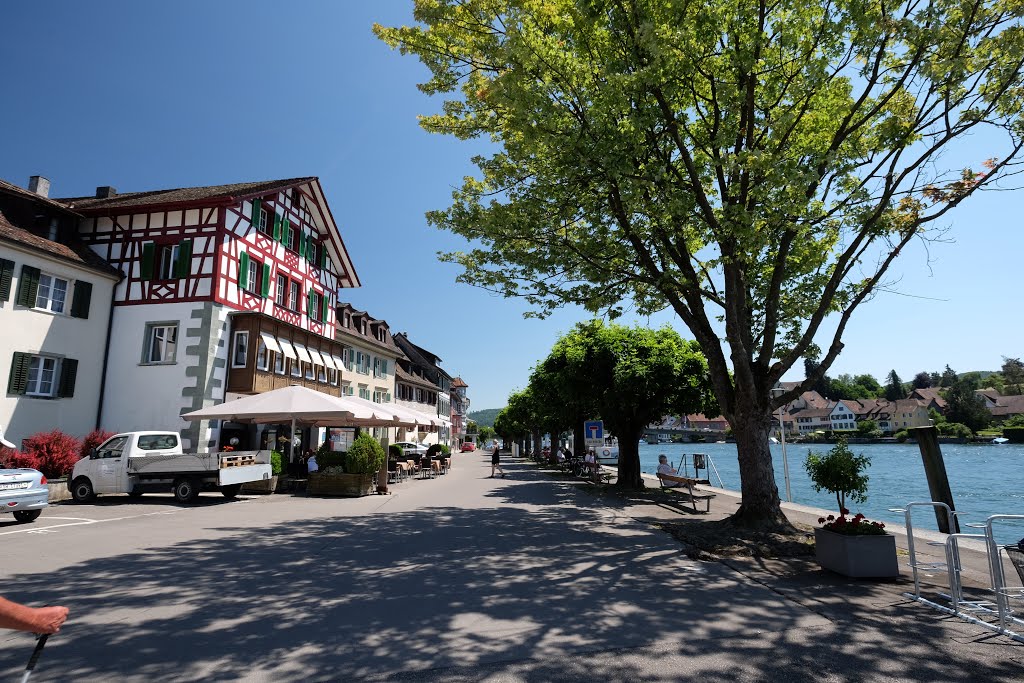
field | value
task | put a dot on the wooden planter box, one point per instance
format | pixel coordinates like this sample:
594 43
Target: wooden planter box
262 486
859 557
341 484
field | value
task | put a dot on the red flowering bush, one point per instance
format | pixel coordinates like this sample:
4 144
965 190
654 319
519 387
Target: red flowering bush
55 452
858 525
94 439
13 459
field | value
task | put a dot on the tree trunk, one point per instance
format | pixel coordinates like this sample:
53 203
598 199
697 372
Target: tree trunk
629 458
760 508
537 446
579 447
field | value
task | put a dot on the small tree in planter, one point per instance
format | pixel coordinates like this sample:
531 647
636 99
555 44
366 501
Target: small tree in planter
348 474
365 456
849 545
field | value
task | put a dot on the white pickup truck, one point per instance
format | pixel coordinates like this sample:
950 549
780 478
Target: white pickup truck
140 462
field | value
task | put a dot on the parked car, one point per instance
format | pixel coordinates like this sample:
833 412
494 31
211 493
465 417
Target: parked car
412 449
468 447
23 492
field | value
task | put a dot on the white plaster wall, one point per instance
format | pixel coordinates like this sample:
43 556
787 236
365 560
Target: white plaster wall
30 331
141 396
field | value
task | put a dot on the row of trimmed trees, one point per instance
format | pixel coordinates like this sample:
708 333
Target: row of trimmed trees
626 376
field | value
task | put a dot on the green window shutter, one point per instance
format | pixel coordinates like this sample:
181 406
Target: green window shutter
286 231
28 286
309 305
326 303
266 280
68 373
243 270
323 255
184 266
18 381
256 206
81 299
6 274
277 227
146 267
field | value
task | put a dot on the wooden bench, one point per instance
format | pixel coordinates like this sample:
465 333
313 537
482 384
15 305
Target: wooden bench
667 481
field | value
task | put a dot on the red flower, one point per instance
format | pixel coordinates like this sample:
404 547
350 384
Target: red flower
821 520
845 511
831 517
859 516
879 525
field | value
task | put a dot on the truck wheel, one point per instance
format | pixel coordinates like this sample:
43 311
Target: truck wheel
230 490
185 490
26 516
136 493
82 491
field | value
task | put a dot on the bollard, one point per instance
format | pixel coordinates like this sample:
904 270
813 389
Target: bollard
935 470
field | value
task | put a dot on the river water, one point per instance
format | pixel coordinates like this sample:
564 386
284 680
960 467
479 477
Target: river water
985 479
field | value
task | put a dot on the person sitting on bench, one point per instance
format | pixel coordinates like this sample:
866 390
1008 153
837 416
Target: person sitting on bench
665 468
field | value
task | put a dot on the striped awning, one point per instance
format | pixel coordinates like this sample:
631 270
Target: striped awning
287 349
270 341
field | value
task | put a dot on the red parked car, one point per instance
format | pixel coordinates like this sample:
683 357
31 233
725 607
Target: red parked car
468 447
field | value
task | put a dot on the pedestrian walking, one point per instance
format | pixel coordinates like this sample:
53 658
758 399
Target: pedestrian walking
495 461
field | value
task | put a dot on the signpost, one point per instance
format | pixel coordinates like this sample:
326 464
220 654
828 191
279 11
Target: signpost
593 433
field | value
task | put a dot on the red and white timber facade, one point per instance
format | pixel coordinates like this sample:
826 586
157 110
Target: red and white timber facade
194 258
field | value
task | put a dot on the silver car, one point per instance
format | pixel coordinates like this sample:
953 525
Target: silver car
411 449
23 491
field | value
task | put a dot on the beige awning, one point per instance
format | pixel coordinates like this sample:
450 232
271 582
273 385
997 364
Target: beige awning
317 358
329 361
287 349
270 341
303 353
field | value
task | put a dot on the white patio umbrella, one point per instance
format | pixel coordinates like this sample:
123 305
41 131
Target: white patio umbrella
298 405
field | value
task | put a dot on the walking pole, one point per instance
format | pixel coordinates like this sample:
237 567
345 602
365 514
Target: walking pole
40 643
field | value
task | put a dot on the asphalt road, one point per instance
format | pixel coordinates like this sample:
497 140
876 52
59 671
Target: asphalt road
458 578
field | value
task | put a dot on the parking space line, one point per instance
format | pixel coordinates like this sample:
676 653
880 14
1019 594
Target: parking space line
80 521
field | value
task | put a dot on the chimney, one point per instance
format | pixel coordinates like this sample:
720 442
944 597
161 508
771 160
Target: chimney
39 185
105 192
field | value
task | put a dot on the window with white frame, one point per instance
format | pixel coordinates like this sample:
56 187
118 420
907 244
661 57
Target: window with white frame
364 392
240 349
261 223
296 368
161 343
167 262
262 356
346 389
346 358
293 295
52 293
254 283
42 376
281 291
376 367
279 363
332 377
321 374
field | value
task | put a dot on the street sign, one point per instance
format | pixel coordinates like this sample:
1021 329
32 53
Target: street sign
593 433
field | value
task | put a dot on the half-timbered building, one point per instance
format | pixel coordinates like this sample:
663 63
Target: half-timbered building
228 290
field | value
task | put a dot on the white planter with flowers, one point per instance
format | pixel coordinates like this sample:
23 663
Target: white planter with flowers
851 546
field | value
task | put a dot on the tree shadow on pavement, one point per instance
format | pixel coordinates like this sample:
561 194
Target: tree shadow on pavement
542 592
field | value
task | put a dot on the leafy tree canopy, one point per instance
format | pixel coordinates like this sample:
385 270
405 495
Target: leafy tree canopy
756 167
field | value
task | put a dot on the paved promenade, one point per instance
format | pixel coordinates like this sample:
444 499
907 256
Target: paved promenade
461 578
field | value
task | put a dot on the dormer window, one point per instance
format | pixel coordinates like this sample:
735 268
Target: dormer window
346 320
363 327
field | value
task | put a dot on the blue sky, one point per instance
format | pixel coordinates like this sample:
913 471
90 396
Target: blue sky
145 95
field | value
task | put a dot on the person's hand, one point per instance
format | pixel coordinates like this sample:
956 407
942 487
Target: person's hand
48 619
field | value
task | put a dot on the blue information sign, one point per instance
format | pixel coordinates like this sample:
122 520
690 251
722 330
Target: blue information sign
593 432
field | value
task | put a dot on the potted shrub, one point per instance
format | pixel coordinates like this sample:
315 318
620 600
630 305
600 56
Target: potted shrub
348 474
852 546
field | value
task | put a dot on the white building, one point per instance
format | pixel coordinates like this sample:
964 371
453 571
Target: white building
55 297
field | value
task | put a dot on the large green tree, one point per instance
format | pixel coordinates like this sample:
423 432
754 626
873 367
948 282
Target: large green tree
756 167
630 376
